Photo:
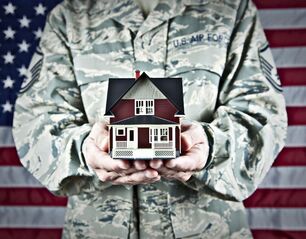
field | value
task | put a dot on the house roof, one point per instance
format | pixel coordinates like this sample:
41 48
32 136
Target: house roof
143 119
172 88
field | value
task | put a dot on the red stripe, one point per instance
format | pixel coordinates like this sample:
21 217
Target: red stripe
29 197
296 116
9 157
286 38
277 198
274 234
292 76
23 233
291 157
270 4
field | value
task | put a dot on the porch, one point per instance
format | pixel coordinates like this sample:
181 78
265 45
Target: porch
155 145
129 153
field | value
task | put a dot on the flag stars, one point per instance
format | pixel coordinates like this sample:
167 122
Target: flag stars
8 58
8 83
9 33
40 9
23 46
9 9
24 22
23 71
38 33
7 107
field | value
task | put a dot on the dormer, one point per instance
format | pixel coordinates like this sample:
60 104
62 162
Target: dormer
144 107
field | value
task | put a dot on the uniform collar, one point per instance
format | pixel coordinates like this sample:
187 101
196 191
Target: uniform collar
129 14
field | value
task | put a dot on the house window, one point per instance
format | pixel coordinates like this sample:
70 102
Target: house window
144 107
163 134
120 132
159 135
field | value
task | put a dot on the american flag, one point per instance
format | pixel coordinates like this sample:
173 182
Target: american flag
276 210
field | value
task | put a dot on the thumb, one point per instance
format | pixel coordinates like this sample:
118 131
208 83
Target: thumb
186 141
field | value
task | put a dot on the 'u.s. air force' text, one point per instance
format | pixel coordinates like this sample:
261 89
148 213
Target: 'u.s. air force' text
210 38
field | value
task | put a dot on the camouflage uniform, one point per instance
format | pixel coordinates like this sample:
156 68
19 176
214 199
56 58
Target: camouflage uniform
230 86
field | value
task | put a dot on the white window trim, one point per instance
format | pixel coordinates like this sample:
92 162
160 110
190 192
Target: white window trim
159 134
117 131
144 106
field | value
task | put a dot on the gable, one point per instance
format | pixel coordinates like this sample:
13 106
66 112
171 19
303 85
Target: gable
144 89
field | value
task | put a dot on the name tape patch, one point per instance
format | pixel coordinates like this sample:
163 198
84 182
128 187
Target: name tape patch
209 38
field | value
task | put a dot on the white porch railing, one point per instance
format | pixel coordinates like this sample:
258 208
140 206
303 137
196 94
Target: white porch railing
121 144
159 145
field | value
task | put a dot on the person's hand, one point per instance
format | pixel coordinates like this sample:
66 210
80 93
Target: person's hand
194 154
95 150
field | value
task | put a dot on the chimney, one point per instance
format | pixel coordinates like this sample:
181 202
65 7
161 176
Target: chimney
137 74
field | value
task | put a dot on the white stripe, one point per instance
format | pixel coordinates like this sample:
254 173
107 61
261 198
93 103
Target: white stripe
295 95
283 18
277 177
17 177
285 178
286 57
293 219
6 137
296 136
54 217
32 217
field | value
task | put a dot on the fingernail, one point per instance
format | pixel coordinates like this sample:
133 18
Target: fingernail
155 164
124 166
151 174
170 164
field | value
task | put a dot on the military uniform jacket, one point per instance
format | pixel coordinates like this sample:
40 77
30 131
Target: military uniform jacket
230 86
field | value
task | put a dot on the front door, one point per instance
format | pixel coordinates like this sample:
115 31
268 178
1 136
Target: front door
132 138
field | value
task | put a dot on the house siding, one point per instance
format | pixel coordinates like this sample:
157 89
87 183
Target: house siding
164 109
177 136
123 109
126 108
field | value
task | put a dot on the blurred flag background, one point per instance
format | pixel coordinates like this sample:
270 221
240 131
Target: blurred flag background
276 210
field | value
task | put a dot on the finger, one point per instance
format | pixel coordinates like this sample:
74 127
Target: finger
100 135
183 176
166 172
140 164
193 160
98 159
105 176
192 135
142 177
156 163
172 174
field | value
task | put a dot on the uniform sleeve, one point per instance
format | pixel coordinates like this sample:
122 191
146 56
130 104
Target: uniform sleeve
49 120
250 121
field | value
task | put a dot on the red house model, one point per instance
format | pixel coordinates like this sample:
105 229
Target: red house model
144 115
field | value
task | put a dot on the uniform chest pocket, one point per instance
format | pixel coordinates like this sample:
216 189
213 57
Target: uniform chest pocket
109 55
92 72
200 68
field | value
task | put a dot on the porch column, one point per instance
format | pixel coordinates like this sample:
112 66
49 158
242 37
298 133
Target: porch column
152 136
114 137
173 137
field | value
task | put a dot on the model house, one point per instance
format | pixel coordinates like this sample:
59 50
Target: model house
144 115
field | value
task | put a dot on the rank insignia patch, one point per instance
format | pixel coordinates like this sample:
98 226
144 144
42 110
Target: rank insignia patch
33 72
269 70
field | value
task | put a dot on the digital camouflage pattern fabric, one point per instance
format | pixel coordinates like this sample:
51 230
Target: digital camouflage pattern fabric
230 85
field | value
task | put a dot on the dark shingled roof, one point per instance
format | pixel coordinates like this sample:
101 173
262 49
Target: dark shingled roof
172 88
143 119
